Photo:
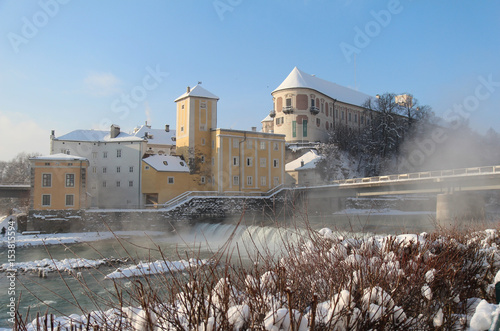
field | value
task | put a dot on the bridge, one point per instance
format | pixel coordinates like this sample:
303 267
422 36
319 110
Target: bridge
456 189
20 191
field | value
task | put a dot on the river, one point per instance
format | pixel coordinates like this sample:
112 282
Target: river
62 291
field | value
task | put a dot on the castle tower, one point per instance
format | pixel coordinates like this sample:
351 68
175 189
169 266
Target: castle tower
196 116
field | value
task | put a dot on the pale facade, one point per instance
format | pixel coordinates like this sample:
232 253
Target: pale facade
114 174
58 182
306 107
159 141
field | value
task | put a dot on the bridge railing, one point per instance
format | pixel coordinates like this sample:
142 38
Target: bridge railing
422 175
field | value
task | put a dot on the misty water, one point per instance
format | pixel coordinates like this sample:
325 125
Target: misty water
201 240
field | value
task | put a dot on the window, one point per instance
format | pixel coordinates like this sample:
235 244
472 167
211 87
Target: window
70 180
70 164
276 162
276 146
349 117
170 180
46 180
182 107
249 180
362 120
94 155
147 167
318 122
46 200
118 169
213 143
280 120
118 153
165 163
203 141
356 118
263 181
249 161
203 159
262 145
104 155
263 162
131 169
130 183
249 144
182 128
288 102
276 181
47 163
236 160
236 180
104 170
203 105
118 184
103 183
70 200
342 115
94 170
236 143
203 179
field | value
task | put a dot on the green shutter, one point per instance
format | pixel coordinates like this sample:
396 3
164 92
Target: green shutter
294 129
304 128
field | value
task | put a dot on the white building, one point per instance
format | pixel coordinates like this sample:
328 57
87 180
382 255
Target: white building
114 173
159 141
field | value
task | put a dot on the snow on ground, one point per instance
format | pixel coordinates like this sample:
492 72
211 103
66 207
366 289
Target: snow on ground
49 265
157 267
72 238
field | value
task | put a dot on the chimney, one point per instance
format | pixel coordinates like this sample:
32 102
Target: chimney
52 134
115 131
254 128
188 89
301 163
167 128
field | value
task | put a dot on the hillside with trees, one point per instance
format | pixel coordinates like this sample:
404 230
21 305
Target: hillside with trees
405 137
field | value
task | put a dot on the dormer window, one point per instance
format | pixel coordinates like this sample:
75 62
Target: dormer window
165 163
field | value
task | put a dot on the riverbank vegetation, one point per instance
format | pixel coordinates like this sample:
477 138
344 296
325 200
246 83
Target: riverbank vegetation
318 280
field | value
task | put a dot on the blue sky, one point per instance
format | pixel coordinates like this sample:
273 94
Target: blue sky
67 65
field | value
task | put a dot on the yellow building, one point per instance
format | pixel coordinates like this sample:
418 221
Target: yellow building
59 181
218 160
163 178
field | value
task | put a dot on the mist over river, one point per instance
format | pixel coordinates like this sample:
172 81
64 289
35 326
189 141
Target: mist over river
200 240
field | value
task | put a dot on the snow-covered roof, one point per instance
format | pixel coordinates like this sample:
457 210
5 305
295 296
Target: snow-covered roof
267 119
167 163
156 136
198 91
300 79
310 158
59 157
97 135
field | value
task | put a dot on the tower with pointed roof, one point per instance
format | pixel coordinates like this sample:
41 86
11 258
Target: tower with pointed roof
196 117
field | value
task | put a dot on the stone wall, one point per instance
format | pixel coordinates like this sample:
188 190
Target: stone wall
194 210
